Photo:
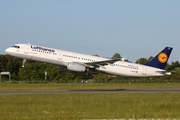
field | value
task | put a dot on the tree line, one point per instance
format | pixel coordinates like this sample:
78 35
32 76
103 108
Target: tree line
34 72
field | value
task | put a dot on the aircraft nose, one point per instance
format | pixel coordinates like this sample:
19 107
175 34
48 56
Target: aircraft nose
8 50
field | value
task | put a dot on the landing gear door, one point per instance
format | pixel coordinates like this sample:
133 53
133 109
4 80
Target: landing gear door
26 49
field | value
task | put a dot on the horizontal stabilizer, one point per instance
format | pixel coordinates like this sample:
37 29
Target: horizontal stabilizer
164 72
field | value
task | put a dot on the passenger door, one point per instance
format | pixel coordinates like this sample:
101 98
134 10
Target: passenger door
60 55
144 70
26 49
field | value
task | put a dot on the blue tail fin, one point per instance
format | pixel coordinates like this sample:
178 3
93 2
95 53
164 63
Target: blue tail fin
160 60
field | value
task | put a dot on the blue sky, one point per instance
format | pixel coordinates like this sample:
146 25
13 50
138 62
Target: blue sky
133 28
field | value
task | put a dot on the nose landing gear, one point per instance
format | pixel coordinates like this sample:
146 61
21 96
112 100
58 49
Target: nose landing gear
24 61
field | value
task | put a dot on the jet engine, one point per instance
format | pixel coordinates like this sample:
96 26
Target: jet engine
76 67
72 67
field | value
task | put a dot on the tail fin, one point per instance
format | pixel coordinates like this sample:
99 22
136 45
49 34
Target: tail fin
160 60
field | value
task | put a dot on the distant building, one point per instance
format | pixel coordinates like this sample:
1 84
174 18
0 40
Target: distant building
5 73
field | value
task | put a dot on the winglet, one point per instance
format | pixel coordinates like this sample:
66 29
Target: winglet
160 60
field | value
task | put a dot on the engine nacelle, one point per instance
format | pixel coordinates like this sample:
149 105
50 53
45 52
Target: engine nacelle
76 67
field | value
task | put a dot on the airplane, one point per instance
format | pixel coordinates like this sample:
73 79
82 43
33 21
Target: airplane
77 62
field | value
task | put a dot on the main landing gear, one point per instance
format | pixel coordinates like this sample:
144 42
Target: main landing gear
87 77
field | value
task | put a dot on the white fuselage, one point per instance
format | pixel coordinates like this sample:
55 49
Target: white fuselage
62 58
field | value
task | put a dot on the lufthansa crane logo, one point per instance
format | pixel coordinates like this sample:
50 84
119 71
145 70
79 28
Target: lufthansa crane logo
162 57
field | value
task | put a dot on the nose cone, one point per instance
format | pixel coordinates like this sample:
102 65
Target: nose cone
8 50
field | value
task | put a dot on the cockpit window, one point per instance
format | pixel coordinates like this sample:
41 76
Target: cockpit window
16 46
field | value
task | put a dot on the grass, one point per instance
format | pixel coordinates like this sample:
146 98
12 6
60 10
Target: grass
91 106
75 86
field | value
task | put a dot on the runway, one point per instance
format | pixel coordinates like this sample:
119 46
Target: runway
152 90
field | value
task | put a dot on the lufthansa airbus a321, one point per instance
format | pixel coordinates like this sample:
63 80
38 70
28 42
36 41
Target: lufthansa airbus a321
77 62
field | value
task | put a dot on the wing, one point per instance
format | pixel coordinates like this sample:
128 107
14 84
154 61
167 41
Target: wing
101 63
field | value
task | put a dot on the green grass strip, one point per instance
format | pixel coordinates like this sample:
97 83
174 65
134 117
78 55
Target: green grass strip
89 106
71 86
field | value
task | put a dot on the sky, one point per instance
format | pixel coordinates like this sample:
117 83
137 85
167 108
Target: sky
133 28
